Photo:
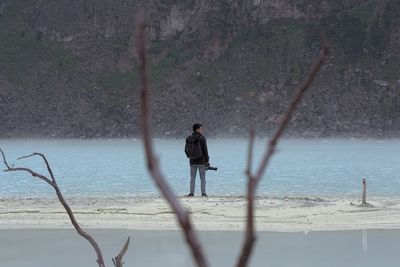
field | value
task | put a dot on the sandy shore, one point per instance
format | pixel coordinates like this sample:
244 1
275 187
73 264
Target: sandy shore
212 213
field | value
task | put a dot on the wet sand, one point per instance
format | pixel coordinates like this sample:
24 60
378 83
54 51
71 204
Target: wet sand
307 231
62 248
222 213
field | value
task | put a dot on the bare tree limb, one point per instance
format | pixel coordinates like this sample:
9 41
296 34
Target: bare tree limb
53 183
292 106
45 161
4 159
253 180
118 262
33 173
250 152
152 162
250 235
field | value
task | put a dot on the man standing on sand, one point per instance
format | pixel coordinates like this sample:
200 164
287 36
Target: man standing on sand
196 150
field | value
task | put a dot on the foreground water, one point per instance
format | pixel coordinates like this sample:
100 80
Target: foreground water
117 167
366 248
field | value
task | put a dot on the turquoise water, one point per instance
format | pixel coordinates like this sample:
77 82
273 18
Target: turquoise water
117 167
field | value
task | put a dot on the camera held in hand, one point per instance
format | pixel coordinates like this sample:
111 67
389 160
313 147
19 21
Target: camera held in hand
210 168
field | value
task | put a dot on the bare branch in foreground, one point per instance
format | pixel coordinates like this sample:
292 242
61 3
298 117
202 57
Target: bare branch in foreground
33 173
254 179
4 159
250 152
45 161
118 259
152 162
53 183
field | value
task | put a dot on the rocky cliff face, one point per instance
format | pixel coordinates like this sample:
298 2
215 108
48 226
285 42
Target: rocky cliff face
68 68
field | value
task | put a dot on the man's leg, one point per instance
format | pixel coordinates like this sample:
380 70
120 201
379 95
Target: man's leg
202 171
193 171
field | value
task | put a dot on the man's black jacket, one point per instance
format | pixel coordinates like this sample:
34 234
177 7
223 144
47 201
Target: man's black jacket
204 158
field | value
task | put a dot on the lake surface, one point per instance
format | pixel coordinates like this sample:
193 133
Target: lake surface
364 248
116 167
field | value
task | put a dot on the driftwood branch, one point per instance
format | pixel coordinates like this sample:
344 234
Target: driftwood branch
45 161
152 162
4 159
254 179
33 173
118 260
250 152
52 182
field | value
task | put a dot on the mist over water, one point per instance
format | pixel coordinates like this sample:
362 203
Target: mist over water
319 167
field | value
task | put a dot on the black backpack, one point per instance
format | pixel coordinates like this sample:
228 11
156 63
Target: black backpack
193 147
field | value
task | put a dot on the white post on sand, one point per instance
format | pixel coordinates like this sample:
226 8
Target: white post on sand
364 192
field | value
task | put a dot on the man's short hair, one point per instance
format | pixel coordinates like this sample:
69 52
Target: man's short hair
196 126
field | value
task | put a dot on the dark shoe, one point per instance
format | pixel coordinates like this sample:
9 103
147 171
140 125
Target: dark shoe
204 195
190 195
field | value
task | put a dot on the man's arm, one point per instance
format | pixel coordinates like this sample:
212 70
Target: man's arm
205 150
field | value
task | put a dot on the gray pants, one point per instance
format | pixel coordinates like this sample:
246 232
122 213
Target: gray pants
193 172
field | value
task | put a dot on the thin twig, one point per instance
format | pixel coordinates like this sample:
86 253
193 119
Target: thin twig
253 180
250 152
250 235
45 161
118 262
152 162
67 208
4 159
286 118
33 173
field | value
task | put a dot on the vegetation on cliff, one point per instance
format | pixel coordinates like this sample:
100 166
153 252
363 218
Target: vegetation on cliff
68 68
